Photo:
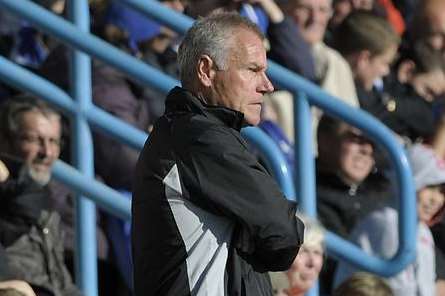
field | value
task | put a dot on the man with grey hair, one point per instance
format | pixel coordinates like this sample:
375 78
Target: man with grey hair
208 219
31 132
30 138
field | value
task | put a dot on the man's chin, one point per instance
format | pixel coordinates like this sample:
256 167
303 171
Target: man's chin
40 176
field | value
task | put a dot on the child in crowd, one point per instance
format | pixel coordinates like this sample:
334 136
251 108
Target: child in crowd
369 44
377 234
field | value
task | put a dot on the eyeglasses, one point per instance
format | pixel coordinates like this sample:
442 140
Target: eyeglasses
40 141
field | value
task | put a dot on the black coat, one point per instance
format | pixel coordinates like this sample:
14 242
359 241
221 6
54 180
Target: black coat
341 206
400 108
207 217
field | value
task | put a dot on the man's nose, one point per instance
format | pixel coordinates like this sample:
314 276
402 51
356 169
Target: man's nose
310 262
266 85
46 148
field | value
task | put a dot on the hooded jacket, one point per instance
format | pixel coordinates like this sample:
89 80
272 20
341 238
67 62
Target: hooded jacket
207 217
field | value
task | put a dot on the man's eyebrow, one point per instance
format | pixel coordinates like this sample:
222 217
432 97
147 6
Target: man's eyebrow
256 65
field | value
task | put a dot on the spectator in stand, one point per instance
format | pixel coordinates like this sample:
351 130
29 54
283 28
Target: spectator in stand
415 88
369 45
332 72
348 184
150 42
30 135
377 234
398 103
429 25
364 284
303 273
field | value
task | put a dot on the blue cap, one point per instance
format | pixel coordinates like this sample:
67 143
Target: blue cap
138 27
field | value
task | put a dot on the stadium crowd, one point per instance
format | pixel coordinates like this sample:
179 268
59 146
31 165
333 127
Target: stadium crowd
386 57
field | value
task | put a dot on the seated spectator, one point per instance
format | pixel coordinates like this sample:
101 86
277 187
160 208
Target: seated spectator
398 104
348 184
304 271
31 234
369 45
149 41
331 70
413 90
363 284
428 25
377 234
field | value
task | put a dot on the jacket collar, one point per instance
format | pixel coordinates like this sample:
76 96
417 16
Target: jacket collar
181 100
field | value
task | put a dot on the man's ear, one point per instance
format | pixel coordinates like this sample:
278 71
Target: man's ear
405 71
206 70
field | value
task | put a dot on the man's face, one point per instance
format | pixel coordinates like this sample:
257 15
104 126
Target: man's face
38 143
305 269
429 201
243 83
356 158
312 17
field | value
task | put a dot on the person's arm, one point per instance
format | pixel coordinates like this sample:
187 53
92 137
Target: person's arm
223 177
289 49
272 10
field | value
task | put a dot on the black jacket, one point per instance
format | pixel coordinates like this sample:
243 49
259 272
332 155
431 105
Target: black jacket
207 217
400 108
341 206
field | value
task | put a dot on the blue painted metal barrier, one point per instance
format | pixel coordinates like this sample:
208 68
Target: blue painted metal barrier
77 36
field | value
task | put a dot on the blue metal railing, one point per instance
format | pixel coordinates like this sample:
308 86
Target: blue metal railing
83 111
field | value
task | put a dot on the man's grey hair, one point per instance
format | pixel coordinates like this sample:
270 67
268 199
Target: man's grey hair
211 36
12 110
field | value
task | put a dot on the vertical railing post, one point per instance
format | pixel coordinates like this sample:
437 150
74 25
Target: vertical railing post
82 151
304 155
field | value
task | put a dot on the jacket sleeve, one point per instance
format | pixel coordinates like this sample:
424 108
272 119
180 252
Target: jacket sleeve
289 49
222 176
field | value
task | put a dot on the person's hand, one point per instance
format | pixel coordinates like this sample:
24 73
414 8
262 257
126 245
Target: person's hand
20 286
429 85
4 172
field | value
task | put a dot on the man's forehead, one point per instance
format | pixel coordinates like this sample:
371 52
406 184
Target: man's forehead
30 117
249 49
